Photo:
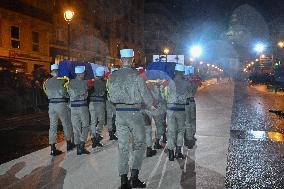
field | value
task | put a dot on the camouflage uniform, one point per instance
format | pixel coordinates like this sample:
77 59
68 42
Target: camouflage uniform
78 92
176 100
129 91
97 106
190 111
58 108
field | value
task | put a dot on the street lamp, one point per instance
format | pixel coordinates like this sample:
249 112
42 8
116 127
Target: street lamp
68 16
259 47
281 44
166 52
196 51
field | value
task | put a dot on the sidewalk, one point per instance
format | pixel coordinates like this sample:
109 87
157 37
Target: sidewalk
205 166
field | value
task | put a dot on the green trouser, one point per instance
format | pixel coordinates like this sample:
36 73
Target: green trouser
160 127
110 108
176 128
160 122
130 123
80 119
190 122
148 129
59 111
97 112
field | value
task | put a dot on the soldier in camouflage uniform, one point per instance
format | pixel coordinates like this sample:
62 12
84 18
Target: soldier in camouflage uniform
159 115
97 107
176 100
129 92
190 112
111 114
80 118
57 97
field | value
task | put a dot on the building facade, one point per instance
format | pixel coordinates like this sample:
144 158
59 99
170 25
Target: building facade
24 37
34 33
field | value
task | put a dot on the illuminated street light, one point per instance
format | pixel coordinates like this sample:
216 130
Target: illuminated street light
263 56
166 51
201 62
281 44
68 16
259 47
257 60
196 51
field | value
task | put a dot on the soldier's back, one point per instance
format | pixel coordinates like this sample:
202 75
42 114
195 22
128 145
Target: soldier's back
123 86
54 87
77 89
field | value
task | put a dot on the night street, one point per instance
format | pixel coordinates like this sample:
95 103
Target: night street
158 94
249 158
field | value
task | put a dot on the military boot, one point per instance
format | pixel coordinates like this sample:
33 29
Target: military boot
158 145
96 143
171 155
134 180
99 138
54 151
179 154
81 149
70 145
189 143
112 136
150 152
124 182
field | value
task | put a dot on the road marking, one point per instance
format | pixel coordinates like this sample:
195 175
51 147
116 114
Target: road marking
184 167
163 173
155 168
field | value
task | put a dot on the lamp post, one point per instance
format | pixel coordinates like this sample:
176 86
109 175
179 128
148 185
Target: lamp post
166 52
68 16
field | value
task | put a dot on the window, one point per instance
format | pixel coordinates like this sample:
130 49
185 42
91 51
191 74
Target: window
35 42
15 37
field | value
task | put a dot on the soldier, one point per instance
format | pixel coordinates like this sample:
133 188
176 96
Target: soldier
129 91
190 112
78 92
57 97
111 114
97 107
176 100
159 115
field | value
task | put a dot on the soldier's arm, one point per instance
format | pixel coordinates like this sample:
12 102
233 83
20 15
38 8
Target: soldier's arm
44 87
145 93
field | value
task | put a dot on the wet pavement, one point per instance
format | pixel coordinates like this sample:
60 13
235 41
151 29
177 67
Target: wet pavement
239 145
204 167
256 148
24 134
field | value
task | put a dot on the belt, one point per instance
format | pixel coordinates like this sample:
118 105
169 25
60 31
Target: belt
191 99
176 104
128 109
91 100
79 103
136 106
57 100
176 109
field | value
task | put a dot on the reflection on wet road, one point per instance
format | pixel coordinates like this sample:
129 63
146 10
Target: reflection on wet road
256 148
23 135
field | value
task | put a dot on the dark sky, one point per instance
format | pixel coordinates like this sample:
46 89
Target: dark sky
221 10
